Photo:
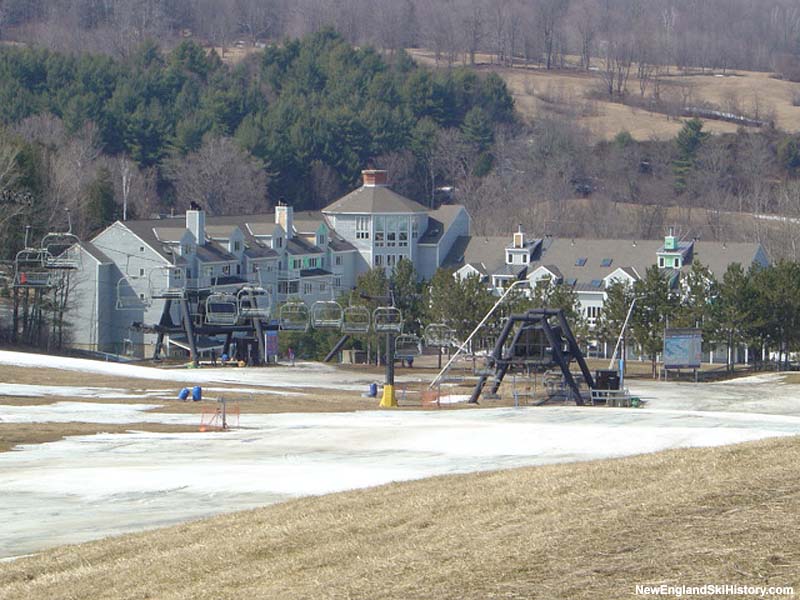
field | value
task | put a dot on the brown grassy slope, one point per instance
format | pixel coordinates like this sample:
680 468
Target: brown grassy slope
588 530
531 86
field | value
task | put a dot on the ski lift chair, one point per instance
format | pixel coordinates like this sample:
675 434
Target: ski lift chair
294 316
387 319
30 269
128 298
326 314
222 308
254 302
167 281
355 319
407 346
438 334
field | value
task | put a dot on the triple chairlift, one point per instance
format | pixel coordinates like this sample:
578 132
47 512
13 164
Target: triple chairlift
222 308
34 267
254 302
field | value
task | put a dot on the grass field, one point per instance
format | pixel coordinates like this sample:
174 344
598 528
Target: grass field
585 530
537 91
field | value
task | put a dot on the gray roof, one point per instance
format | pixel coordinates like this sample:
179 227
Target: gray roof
340 245
314 273
95 252
213 252
489 252
374 199
439 221
308 221
634 257
298 245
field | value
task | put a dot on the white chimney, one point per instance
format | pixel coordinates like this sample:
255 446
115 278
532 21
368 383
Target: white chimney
196 223
284 216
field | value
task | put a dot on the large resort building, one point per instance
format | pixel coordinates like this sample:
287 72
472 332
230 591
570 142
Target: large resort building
310 256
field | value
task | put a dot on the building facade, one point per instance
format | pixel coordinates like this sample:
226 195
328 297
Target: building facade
589 266
306 256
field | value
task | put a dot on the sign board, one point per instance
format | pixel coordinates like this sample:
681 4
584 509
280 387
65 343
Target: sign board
683 348
271 345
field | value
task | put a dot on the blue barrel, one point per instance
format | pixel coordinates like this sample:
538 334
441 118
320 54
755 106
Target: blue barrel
197 393
183 394
373 390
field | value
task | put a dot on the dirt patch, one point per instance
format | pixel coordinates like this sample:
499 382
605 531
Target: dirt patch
586 530
14 434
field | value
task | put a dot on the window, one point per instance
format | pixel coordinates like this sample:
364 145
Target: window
338 261
141 272
177 274
677 263
337 282
592 312
510 258
186 249
141 248
279 242
226 270
209 271
391 260
606 262
238 269
321 240
392 226
283 287
402 235
237 246
254 268
312 263
141 297
661 261
362 228
524 259
580 262
307 288
296 263
380 230
322 287
378 260
414 229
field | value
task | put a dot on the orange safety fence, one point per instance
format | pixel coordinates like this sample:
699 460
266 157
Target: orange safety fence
220 417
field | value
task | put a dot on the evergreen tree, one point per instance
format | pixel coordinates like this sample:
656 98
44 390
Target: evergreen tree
656 304
101 209
688 142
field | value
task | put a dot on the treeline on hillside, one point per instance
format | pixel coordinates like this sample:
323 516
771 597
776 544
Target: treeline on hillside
553 178
713 34
757 308
155 131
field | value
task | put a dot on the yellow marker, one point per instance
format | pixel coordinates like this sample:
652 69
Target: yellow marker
388 400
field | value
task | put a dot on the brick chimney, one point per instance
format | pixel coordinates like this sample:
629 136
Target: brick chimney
374 177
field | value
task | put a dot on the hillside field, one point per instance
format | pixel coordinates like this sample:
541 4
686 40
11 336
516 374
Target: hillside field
573 91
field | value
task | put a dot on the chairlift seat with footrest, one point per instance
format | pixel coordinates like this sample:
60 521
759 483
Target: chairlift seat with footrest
294 316
355 319
387 319
222 308
326 314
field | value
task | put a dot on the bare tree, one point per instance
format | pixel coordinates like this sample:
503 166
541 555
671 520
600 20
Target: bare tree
222 177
